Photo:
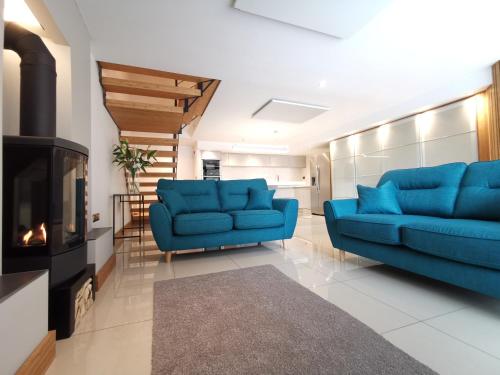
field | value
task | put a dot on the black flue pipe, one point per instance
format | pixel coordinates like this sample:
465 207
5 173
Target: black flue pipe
38 81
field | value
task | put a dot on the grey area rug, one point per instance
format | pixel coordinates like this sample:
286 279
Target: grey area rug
258 321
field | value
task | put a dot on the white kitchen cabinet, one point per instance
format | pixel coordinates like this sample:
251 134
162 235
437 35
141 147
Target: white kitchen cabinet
258 160
277 161
235 160
224 159
297 161
284 193
253 160
247 160
288 161
210 155
303 195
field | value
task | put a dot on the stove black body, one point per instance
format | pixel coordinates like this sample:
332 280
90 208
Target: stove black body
44 184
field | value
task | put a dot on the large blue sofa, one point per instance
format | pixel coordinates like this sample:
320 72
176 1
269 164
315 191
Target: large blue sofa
217 216
449 229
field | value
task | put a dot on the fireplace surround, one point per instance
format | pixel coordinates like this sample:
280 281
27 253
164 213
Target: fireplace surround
45 189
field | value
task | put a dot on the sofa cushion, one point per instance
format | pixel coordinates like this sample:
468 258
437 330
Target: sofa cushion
380 228
256 219
233 194
200 195
429 191
467 241
174 201
260 199
479 196
202 223
381 200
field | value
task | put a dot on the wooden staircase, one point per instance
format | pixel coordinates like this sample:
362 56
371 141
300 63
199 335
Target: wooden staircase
151 108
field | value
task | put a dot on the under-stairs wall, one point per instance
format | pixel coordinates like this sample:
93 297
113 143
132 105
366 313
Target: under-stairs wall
105 179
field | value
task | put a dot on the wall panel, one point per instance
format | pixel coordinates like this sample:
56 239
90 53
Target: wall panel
341 148
399 133
462 147
402 157
444 135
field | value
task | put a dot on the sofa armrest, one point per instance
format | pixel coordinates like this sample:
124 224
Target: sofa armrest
290 210
160 220
340 207
334 210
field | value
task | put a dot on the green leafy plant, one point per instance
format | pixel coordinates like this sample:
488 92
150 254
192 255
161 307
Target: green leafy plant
133 159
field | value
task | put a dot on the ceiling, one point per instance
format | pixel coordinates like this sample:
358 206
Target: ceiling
412 54
338 18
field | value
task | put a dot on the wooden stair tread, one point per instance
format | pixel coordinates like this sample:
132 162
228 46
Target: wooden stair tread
146 201
166 154
165 164
126 104
156 174
153 141
150 72
149 100
130 119
136 211
127 86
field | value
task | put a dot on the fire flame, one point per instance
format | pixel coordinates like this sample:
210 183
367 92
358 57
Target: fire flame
35 236
44 232
27 236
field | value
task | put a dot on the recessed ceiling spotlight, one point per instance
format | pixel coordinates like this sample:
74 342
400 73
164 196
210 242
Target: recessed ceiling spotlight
322 84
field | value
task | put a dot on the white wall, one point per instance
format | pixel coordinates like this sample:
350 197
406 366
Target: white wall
186 163
105 178
444 135
1 131
70 22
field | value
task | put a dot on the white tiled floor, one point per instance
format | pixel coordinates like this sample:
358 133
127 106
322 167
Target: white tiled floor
452 330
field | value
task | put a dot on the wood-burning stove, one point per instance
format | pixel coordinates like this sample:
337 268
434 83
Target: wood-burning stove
44 217
44 188
44 207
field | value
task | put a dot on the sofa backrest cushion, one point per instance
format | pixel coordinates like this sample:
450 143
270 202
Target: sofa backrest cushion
200 195
479 196
430 191
174 201
234 194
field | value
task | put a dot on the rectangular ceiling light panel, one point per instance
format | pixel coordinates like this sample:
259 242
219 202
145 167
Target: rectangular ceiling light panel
286 111
338 18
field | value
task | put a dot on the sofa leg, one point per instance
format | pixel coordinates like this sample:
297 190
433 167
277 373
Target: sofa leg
342 254
168 256
283 244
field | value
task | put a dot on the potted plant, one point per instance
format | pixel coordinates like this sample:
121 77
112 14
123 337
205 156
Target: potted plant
133 160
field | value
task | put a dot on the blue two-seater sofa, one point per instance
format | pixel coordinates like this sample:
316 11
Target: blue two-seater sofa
218 216
449 229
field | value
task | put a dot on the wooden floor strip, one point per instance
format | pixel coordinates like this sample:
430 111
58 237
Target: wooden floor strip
40 359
